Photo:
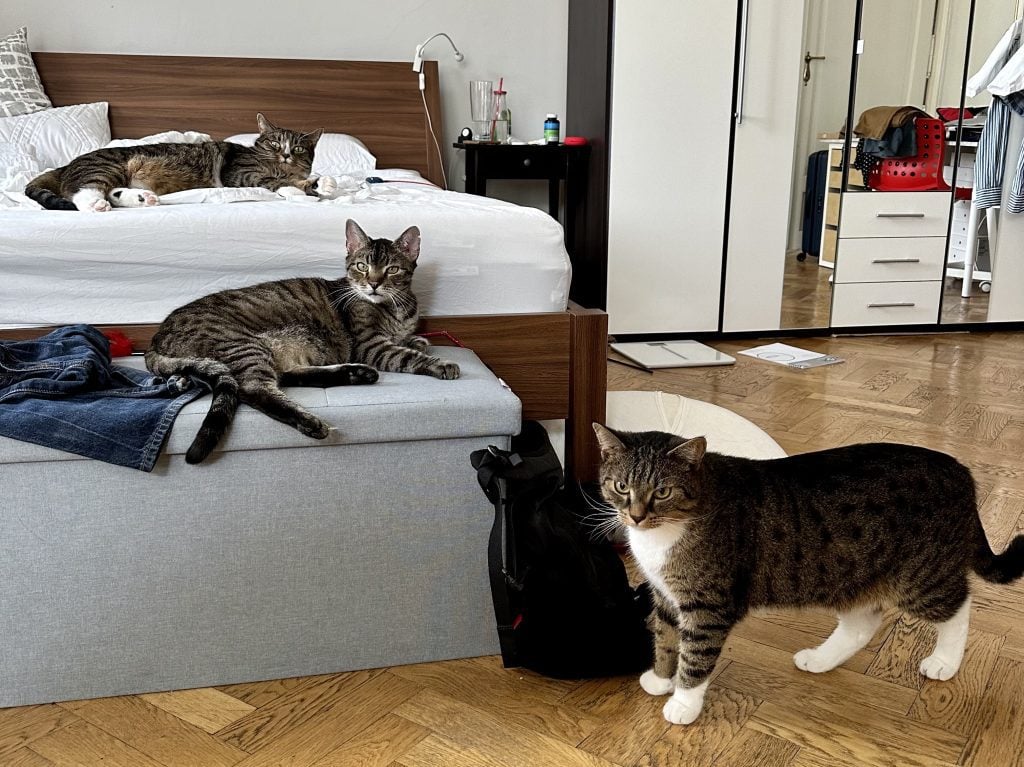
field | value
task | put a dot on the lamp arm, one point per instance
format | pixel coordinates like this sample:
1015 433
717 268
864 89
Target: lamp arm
417 63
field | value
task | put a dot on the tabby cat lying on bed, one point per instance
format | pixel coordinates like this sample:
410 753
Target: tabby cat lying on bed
854 529
133 177
246 343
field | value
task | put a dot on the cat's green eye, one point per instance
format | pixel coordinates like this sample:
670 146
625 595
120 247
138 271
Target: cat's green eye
621 488
393 270
662 493
298 150
275 145
361 266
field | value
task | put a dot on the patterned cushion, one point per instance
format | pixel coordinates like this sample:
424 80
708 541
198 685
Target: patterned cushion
21 92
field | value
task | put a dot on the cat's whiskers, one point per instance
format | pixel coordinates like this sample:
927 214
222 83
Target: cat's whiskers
341 298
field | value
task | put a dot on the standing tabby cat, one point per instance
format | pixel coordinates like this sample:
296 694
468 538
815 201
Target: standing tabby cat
246 343
854 529
134 177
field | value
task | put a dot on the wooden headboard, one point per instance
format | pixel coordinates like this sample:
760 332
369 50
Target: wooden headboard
377 101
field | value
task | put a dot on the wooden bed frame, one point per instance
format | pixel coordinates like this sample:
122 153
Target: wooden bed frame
555 362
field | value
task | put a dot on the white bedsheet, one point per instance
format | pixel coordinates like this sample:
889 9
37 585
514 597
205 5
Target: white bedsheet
478 255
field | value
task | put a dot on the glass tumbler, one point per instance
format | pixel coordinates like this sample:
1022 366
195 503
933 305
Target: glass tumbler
481 108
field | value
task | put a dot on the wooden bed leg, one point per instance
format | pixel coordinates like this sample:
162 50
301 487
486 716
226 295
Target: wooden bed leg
588 386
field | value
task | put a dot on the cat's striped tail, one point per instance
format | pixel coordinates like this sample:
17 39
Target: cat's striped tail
222 410
1000 568
44 190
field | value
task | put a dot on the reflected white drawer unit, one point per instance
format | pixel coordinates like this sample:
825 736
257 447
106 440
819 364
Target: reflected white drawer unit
886 303
892 247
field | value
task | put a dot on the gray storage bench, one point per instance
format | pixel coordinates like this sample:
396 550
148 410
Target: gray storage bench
280 556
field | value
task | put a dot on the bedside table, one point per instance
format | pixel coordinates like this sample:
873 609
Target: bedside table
555 163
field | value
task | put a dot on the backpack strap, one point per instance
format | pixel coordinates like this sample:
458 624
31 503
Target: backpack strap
491 467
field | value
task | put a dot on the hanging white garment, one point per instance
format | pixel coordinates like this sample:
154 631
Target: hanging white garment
996 61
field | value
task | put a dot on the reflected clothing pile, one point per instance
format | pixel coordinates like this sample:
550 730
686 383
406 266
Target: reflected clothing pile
62 391
885 132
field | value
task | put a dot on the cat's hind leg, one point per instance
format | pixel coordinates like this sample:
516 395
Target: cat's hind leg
946 603
945 659
324 376
265 396
126 197
851 634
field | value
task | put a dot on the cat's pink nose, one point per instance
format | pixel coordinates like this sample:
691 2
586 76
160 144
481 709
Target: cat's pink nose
638 519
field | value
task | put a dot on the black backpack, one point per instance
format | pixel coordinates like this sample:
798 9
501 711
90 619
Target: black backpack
563 604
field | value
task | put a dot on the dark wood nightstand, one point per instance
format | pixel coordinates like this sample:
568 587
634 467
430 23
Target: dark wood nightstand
556 163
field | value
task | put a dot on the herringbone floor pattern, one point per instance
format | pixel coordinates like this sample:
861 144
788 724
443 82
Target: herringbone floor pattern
960 393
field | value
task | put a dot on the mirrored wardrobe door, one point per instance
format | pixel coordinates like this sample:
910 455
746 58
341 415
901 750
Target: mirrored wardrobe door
894 216
970 258
792 94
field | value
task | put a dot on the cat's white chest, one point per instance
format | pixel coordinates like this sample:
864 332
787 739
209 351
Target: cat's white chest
650 549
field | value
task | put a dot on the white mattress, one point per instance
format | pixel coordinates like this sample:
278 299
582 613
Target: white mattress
478 255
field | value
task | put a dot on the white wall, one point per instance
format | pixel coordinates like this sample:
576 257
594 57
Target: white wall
523 41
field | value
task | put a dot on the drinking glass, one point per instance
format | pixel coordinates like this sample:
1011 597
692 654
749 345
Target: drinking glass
481 108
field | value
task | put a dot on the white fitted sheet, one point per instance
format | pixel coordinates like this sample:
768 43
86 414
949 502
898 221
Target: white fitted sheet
478 255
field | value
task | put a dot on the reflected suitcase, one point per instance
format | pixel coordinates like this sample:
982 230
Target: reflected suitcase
814 204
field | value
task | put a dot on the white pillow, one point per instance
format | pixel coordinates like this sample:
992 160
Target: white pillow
61 134
18 166
336 153
167 137
21 91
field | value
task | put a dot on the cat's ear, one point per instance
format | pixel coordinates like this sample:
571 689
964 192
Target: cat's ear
264 124
314 136
355 238
607 440
409 242
690 452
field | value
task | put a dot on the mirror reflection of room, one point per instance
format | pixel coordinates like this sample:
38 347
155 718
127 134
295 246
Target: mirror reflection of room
911 257
915 133
823 95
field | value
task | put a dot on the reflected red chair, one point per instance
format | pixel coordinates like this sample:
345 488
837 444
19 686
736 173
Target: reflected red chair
921 172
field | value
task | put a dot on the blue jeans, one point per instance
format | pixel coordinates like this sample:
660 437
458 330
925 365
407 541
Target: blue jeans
62 391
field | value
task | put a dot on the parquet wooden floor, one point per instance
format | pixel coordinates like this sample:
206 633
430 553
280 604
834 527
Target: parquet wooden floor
960 393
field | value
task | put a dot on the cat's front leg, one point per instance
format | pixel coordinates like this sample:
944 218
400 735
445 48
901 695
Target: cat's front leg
325 186
399 358
660 679
418 343
702 634
126 197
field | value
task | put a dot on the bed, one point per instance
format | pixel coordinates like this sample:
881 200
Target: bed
499 283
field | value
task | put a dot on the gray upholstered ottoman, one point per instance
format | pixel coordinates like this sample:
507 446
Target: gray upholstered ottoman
281 556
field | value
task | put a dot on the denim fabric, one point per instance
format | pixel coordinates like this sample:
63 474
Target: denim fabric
62 391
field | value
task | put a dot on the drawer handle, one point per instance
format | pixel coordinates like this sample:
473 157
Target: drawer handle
882 214
890 304
896 260
526 163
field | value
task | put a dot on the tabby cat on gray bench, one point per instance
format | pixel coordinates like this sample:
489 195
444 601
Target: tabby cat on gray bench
247 342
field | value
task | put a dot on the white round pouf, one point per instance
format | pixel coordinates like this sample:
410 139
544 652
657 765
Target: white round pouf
725 431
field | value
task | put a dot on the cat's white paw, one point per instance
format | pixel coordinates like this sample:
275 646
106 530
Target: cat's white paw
98 206
683 709
326 186
133 198
653 684
935 667
813 661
